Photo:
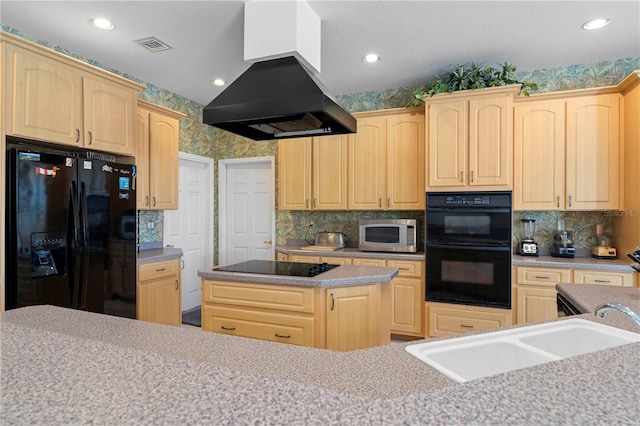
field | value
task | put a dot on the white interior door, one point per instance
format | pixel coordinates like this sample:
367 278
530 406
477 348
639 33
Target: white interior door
191 226
247 210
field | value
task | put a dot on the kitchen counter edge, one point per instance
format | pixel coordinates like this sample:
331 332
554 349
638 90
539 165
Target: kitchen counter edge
350 252
574 263
158 255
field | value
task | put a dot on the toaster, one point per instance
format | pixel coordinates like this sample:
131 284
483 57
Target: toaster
331 239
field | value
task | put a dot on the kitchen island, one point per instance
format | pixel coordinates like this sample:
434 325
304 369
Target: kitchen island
61 366
340 308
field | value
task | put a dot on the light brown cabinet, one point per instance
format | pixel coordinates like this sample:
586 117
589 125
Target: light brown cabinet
470 140
313 173
340 319
157 157
407 289
535 288
567 153
159 292
56 99
386 161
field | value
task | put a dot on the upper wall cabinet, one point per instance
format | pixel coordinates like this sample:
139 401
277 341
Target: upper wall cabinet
157 157
54 98
470 140
313 173
567 153
386 161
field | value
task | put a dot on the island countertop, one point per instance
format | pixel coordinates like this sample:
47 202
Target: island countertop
342 276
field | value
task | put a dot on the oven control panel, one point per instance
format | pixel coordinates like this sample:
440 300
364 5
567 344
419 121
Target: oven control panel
463 200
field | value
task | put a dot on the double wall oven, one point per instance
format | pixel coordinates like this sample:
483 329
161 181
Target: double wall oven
468 248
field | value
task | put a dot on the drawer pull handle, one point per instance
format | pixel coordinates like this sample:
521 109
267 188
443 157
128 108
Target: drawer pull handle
282 336
403 269
176 285
466 326
602 281
333 302
227 328
77 135
90 138
161 269
542 277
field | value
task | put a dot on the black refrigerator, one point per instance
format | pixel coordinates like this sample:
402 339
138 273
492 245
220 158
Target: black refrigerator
71 230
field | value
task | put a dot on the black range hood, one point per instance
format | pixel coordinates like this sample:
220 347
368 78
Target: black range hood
277 99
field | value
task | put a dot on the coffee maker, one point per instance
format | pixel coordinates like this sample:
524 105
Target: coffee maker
528 246
562 242
603 250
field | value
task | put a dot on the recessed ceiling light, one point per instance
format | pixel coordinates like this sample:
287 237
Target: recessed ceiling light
218 82
371 58
102 23
594 24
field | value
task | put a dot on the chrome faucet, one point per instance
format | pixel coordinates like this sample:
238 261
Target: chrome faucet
603 309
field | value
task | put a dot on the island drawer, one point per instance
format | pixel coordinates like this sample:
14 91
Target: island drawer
445 321
296 330
267 296
155 270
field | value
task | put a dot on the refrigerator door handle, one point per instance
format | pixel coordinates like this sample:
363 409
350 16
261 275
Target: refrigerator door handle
84 230
75 244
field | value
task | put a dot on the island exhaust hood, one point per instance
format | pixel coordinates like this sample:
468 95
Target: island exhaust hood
279 95
277 99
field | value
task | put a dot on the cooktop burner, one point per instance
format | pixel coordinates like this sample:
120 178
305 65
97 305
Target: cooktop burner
273 267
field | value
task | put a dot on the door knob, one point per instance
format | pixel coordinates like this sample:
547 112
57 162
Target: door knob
268 242
169 245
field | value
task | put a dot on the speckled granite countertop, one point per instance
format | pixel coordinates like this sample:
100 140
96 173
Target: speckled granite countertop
587 297
158 255
342 276
350 252
575 263
60 366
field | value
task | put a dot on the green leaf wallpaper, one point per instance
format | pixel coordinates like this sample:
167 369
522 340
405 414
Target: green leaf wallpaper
198 138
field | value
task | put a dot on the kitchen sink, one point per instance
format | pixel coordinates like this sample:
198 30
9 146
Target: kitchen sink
481 355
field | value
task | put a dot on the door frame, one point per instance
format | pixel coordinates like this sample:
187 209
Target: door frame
222 196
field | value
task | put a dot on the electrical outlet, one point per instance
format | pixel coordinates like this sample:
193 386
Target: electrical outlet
151 225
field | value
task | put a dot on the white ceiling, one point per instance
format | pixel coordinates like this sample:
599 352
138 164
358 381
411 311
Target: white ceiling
416 39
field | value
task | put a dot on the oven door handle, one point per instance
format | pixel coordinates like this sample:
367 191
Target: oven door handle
469 247
464 210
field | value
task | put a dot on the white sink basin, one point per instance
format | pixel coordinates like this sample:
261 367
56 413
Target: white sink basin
481 355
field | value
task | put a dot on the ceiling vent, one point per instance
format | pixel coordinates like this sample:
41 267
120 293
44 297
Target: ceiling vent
153 44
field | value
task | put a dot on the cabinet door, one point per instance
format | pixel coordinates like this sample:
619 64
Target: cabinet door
405 162
351 318
367 162
109 116
593 152
535 304
143 199
163 161
47 98
294 170
447 144
490 142
539 152
159 301
407 298
330 172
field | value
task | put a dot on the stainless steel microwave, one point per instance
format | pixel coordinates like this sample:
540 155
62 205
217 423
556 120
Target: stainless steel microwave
393 235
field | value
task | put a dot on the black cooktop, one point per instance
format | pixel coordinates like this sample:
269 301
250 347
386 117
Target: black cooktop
273 267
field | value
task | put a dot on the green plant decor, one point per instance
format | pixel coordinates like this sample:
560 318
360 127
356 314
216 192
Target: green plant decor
466 77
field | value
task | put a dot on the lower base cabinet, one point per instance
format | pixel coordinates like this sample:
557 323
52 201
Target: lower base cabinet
340 319
407 289
159 292
445 319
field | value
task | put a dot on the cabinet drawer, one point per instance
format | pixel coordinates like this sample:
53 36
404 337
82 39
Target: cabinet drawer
336 260
444 321
286 298
407 268
542 276
296 330
304 258
584 276
152 271
368 262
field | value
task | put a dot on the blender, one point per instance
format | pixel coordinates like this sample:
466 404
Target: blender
528 246
603 250
563 242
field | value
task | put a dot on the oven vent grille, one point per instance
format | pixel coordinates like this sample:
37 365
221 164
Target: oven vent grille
153 44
